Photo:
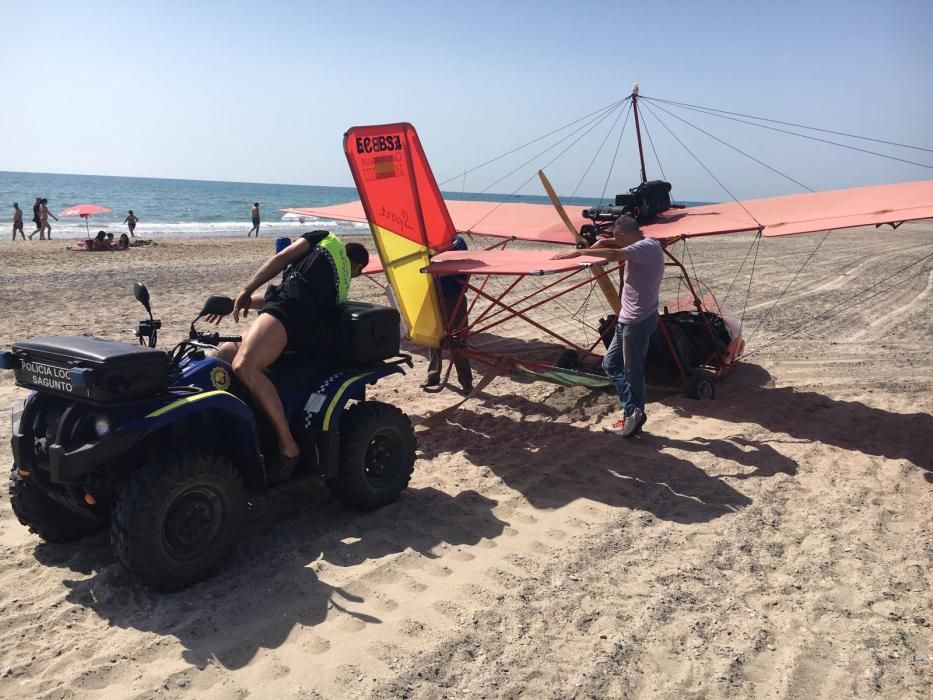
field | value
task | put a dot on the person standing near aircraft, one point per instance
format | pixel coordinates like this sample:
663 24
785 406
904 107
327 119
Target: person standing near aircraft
254 213
18 221
456 310
624 362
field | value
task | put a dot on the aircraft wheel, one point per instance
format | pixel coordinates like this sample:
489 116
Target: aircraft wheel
701 386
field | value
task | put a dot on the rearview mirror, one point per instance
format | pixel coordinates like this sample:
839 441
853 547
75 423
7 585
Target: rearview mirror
217 306
142 295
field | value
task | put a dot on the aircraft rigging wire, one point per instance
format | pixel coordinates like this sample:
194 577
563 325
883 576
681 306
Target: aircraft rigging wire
757 240
734 198
690 258
751 276
609 107
789 285
777 121
600 149
847 304
615 157
811 138
703 165
650 141
592 124
596 123
739 271
737 150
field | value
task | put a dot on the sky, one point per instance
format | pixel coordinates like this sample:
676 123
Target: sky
263 92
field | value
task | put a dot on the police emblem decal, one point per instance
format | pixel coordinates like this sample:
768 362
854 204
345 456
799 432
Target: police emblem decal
220 378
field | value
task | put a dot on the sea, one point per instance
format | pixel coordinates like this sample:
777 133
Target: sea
189 207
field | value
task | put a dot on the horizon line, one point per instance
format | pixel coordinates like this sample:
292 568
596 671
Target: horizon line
179 179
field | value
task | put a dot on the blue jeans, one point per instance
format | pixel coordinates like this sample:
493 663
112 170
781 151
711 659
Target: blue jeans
624 362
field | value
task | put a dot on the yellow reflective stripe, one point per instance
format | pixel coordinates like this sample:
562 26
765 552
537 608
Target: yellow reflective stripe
182 402
336 397
337 251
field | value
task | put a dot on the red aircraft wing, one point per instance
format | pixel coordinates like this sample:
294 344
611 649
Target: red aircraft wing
802 213
521 221
506 262
779 216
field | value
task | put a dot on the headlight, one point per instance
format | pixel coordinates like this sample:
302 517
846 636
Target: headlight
102 426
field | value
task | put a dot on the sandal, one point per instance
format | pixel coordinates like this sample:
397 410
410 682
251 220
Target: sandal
281 469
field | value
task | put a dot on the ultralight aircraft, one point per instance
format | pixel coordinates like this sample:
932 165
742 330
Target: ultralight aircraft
698 339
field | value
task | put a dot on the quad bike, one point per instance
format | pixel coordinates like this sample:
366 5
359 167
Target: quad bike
168 451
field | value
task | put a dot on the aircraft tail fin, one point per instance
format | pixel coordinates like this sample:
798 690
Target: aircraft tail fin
408 218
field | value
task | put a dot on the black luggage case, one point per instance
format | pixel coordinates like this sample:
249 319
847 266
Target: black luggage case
90 369
366 333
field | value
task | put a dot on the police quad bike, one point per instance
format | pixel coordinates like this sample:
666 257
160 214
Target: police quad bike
168 450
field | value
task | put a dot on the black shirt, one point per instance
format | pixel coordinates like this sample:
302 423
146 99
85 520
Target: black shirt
315 272
35 212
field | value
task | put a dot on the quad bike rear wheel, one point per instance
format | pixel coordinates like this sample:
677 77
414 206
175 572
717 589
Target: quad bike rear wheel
45 517
377 455
178 519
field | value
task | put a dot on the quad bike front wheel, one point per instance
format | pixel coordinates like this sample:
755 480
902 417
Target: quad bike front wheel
49 519
178 519
377 455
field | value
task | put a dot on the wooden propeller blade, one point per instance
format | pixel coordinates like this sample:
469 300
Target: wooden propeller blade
602 279
555 200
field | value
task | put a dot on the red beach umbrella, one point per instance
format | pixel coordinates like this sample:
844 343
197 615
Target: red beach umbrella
84 211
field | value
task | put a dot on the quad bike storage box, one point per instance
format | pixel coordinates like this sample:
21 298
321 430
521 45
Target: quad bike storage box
92 369
366 333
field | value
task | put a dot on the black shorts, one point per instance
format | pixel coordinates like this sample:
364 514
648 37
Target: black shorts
298 313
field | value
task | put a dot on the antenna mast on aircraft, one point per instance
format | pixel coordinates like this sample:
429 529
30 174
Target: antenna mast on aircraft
641 154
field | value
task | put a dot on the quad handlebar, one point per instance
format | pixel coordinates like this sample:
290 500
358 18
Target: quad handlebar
215 338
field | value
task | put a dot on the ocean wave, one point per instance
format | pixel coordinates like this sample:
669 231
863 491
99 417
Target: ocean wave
146 229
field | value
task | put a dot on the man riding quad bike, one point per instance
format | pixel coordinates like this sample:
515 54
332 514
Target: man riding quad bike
168 449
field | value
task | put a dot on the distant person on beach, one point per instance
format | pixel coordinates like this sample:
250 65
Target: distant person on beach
254 213
36 220
44 215
317 268
624 362
130 222
455 307
18 221
124 242
100 242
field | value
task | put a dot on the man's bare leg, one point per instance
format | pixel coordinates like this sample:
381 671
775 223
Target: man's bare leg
264 342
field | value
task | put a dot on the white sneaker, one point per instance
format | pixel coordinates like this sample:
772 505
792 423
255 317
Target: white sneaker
616 427
633 423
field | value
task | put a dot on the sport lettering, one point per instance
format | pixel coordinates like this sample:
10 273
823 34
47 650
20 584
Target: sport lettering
378 144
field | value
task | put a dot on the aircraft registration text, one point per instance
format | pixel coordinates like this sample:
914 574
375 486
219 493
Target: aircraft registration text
378 144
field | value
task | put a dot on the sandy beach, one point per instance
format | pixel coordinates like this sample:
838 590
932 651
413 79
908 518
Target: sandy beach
776 542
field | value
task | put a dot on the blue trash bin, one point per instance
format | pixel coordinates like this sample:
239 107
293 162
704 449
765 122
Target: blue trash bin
282 243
